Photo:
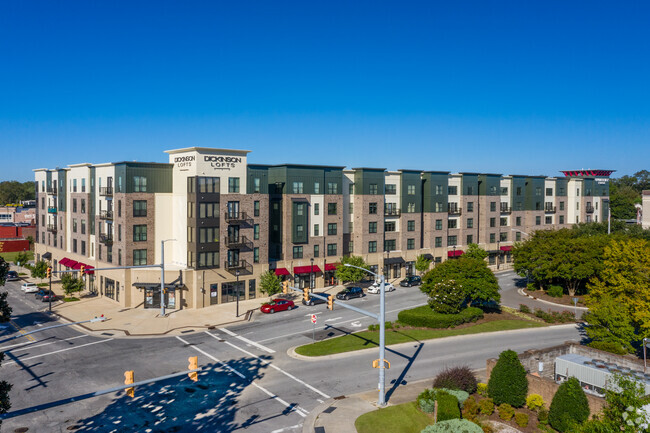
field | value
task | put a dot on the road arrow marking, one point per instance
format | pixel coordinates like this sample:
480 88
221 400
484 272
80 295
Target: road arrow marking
356 324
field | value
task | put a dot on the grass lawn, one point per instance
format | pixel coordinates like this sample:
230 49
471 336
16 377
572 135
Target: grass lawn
366 339
403 418
10 257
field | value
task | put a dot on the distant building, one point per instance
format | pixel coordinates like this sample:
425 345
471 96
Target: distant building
645 211
18 214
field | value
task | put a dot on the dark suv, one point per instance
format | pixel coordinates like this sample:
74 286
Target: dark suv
350 292
314 301
12 276
413 280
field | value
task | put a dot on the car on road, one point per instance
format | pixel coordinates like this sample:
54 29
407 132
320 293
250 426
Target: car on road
376 288
277 305
412 280
12 276
315 301
350 292
40 292
29 288
46 297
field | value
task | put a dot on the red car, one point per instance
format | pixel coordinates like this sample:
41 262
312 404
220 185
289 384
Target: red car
277 305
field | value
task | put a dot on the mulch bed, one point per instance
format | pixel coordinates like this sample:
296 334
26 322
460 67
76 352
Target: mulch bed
532 419
564 300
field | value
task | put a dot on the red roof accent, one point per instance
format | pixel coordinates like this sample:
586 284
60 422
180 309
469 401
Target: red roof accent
77 265
331 266
282 271
507 248
456 253
574 173
305 269
64 261
70 263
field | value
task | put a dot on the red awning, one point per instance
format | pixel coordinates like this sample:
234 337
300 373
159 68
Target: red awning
331 266
89 269
77 265
507 248
70 263
456 253
305 269
281 271
64 261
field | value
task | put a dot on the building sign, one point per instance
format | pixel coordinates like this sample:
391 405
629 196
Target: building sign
601 181
222 162
184 161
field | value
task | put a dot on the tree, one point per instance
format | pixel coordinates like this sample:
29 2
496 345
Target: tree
39 270
71 284
5 387
476 252
270 283
609 320
569 406
21 258
422 264
349 274
508 383
447 297
4 269
5 316
15 192
30 239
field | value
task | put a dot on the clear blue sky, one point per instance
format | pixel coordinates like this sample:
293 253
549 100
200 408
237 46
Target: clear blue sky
506 87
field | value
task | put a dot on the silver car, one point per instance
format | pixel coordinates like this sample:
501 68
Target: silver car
29 288
376 288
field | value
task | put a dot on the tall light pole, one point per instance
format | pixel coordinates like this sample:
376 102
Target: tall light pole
162 276
237 286
382 334
311 276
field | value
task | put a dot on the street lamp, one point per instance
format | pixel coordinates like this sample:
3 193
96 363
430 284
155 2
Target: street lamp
311 276
382 334
237 287
162 276
498 251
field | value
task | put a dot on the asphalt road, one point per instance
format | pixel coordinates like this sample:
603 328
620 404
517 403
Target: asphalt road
249 383
509 282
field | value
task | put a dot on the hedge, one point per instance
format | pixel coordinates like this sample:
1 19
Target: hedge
453 426
424 317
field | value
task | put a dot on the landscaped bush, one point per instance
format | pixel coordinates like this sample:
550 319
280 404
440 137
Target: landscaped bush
555 291
470 408
521 419
453 426
486 406
456 378
460 395
508 383
426 318
542 416
506 412
481 388
447 406
569 405
554 316
524 308
531 286
426 400
608 346
534 402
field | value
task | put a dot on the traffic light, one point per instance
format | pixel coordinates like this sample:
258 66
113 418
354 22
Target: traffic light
49 272
305 294
128 379
330 302
82 270
194 364
285 286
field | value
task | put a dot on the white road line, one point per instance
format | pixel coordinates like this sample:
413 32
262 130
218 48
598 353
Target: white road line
296 409
246 340
2 349
315 314
56 351
289 375
293 427
332 319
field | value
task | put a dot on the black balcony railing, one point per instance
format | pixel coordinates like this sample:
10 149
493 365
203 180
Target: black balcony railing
106 191
51 228
239 242
51 209
237 217
106 215
392 212
240 265
506 209
51 190
454 210
106 238
590 209
549 209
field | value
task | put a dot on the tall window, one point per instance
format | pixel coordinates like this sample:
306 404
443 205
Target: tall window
438 224
74 225
331 229
298 188
410 189
316 187
331 249
256 184
210 235
470 206
538 220
372 246
74 205
256 231
209 184
493 222
410 225
83 205
256 208
316 208
373 188
410 207
256 255
410 244
139 184
316 229
211 210
470 223
389 226
83 227
316 250
493 238
332 187
438 189
470 239
139 257
451 241
140 233
139 208
331 208
372 208
438 241
518 221
233 185
297 252
493 206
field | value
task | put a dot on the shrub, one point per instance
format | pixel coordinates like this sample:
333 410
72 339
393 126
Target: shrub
506 412
460 395
425 317
534 402
555 291
608 346
453 426
481 388
486 406
447 406
508 383
428 406
569 406
456 378
524 308
542 416
554 316
426 399
531 286
521 419
470 408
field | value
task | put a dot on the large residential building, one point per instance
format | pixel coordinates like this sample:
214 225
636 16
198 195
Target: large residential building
223 222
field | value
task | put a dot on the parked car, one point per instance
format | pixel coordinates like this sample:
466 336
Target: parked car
315 301
277 305
29 288
46 297
350 292
12 276
413 280
376 288
40 293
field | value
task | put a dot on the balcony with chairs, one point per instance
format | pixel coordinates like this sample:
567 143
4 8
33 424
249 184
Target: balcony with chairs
549 208
454 210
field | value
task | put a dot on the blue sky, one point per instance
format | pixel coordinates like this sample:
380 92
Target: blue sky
506 87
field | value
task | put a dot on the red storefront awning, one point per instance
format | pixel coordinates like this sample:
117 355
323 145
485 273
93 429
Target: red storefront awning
305 269
456 253
281 271
71 264
507 248
89 269
78 265
331 266
64 261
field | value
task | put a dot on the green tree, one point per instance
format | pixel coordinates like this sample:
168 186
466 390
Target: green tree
349 274
21 258
5 387
609 320
508 383
447 297
5 308
39 270
30 239
270 284
422 264
5 316
475 252
4 269
71 284
569 406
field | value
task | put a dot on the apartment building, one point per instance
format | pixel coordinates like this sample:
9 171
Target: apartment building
219 223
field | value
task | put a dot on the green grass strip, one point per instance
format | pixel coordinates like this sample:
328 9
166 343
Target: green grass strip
403 418
366 339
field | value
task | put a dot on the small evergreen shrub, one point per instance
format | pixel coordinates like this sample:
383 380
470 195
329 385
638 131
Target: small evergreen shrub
569 406
453 426
481 388
427 406
534 402
608 346
460 395
524 308
447 406
555 291
486 406
506 412
542 416
521 419
456 378
508 383
470 408
554 316
426 400
425 317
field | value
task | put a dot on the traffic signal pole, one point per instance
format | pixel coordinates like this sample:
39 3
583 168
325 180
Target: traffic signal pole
49 295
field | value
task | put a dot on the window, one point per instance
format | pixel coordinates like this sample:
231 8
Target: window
256 208
211 210
518 236
391 188
139 208
119 208
300 209
256 184
209 260
470 223
251 289
410 189
350 246
470 190
119 232
331 249
74 245
372 208
493 190
209 235
410 225
503 222
316 229
470 206
83 205
561 219
538 191
389 226
560 191
332 187
438 241
299 230
410 244
452 190
493 238
331 229
578 192
74 205
256 232
518 221
518 191
503 236
139 184
493 206
233 185
331 208
297 188
438 190
74 185
119 257
410 207
452 224
451 241
549 192
351 210
209 184
316 250
373 188
470 239
493 222
316 208
83 227
561 205
83 248
504 190
190 234
74 225
548 220
297 252
351 189
538 220
139 257
438 224
316 187
372 246
139 233
256 255
190 209
389 245
372 227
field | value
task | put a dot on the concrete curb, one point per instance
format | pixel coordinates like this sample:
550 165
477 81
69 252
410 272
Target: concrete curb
522 293
310 420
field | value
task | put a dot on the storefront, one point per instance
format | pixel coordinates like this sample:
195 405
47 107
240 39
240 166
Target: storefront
305 276
330 274
393 267
151 293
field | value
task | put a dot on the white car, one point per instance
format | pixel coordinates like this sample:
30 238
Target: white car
29 288
376 288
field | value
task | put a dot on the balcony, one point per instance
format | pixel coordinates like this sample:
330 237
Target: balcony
51 209
506 209
106 191
589 209
51 228
237 217
454 211
242 266
549 209
239 242
390 212
106 215
51 190
106 239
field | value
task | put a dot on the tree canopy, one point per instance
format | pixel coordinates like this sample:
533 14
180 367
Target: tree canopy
625 192
71 284
349 274
475 252
12 192
270 283
422 263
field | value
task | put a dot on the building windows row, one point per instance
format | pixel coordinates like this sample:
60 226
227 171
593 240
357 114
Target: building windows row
208 210
208 235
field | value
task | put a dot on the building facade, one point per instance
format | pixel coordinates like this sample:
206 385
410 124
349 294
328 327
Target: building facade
221 222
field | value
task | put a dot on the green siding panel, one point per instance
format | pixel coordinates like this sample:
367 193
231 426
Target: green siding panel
429 191
469 184
489 184
414 179
299 218
365 177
